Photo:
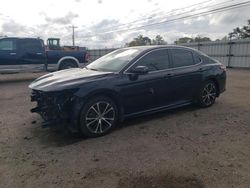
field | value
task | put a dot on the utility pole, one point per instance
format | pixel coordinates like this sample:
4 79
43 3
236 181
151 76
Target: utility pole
73 35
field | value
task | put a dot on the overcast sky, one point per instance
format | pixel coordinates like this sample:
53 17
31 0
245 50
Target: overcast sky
97 19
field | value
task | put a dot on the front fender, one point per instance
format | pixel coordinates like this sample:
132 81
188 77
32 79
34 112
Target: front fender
85 95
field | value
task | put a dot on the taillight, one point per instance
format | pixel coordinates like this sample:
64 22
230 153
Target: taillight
87 57
222 67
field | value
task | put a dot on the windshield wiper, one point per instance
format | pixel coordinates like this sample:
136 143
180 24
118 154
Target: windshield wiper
93 69
90 68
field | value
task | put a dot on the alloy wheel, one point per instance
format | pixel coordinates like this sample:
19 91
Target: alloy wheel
209 94
100 117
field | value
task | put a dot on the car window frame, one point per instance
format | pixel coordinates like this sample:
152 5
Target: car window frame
150 51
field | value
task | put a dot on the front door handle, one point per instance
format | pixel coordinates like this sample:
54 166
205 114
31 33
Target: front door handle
38 53
12 53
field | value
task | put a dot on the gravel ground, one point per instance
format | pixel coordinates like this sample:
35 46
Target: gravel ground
187 147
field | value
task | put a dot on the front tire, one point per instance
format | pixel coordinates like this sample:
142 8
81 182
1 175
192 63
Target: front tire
98 117
67 64
207 94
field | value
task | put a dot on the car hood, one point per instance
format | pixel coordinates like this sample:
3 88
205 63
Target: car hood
66 79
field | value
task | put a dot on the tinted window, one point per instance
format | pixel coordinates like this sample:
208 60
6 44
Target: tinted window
7 44
197 58
155 60
182 58
31 45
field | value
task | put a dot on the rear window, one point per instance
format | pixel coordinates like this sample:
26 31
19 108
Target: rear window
197 58
209 60
31 45
8 44
182 58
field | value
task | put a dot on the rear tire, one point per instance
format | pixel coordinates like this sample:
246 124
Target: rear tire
98 117
68 64
208 94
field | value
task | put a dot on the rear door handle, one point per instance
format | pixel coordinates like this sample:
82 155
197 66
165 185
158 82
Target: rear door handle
12 53
169 75
201 69
38 53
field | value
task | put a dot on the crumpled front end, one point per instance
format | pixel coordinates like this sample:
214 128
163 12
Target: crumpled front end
54 107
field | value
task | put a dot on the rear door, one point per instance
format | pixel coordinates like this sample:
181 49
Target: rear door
32 53
186 75
8 54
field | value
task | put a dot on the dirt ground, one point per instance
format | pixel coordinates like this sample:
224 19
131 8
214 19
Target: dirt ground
187 147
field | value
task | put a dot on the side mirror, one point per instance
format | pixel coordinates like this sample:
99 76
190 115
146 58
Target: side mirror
140 70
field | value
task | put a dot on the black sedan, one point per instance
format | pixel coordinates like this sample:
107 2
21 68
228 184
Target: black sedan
125 83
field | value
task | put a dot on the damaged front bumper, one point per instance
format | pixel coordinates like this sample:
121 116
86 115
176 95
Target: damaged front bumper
54 107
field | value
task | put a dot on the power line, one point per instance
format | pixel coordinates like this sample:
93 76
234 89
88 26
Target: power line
168 13
193 15
221 9
175 10
198 14
198 8
111 28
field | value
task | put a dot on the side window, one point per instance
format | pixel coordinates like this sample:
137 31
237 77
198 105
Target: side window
197 58
182 58
8 44
155 60
30 45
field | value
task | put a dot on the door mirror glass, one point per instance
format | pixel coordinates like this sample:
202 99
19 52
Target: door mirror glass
140 70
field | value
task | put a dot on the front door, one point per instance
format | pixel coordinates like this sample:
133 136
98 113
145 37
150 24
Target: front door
145 92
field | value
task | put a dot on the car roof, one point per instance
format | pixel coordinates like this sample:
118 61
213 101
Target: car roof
20 38
146 49
161 46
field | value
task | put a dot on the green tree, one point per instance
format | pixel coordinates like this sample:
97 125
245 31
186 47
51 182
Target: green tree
240 32
202 39
225 38
159 40
140 41
189 39
184 40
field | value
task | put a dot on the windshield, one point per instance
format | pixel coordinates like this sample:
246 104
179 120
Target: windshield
115 61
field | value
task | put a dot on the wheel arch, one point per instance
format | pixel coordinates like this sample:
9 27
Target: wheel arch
213 79
113 95
60 62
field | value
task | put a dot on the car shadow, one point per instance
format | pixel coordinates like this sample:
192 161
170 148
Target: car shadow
63 137
158 115
50 137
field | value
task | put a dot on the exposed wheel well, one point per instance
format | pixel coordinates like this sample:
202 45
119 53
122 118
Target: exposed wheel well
63 62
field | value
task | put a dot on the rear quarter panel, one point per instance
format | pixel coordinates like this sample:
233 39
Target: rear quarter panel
54 56
214 72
